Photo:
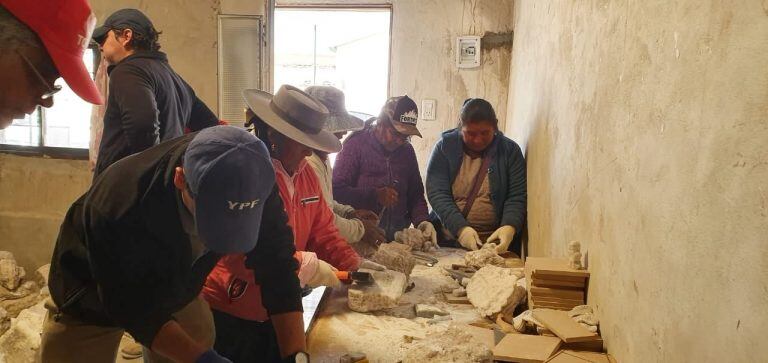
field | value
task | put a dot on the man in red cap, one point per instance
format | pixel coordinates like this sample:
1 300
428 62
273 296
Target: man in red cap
41 41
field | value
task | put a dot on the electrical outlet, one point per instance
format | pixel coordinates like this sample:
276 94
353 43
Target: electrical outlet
428 109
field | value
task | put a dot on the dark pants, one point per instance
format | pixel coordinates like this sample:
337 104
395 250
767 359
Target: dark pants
245 341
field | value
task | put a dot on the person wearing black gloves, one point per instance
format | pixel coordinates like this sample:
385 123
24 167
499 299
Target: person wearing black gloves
133 252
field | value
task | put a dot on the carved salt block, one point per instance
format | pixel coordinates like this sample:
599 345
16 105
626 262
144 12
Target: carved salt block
395 256
483 257
491 289
385 291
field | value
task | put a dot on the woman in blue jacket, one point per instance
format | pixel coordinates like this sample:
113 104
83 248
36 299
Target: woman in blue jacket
476 182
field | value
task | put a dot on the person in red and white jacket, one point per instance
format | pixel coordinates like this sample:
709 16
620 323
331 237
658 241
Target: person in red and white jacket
290 124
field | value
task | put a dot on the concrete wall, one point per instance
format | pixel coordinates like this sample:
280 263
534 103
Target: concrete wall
645 125
35 193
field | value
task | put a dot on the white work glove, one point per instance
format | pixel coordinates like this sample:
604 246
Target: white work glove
504 235
429 231
372 265
325 275
469 239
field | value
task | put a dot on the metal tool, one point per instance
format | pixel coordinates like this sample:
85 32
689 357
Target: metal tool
424 258
458 274
355 276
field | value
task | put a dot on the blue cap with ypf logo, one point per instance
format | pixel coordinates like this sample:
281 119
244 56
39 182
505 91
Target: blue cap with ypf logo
230 175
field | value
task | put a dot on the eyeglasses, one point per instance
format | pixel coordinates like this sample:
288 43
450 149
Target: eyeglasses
394 134
52 90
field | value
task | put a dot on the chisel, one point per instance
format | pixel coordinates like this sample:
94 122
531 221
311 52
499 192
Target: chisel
359 277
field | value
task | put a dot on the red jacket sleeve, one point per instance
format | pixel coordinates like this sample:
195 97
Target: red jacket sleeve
326 241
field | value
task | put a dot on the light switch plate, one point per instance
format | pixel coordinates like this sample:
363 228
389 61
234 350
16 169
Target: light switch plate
428 109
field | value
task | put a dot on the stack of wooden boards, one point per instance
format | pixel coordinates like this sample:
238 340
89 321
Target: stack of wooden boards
571 343
554 285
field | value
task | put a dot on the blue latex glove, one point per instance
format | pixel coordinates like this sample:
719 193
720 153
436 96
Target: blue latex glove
212 357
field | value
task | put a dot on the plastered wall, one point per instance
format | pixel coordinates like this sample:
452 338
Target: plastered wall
423 60
646 131
35 194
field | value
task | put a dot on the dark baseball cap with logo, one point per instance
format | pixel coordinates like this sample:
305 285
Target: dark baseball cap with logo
125 19
403 113
64 27
229 174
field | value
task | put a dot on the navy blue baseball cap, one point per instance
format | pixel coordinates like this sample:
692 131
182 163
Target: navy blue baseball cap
132 19
229 174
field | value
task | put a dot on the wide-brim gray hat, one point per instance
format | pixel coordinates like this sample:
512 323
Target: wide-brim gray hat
294 114
339 120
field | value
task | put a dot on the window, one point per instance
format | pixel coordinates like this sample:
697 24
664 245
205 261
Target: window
344 48
239 63
65 125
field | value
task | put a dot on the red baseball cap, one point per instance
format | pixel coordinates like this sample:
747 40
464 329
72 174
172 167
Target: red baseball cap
65 27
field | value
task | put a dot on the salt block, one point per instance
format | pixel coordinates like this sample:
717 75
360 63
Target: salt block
385 291
5 321
415 238
428 311
15 306
21 342
459 292
491 289
10 272
485 256
41 275
395 256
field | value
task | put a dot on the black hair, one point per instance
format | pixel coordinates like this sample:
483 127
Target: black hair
478 110
260 129
143 42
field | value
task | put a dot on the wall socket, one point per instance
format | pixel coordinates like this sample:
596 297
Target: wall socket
428 109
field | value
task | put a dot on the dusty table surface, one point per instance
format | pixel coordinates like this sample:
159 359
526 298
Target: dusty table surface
382 335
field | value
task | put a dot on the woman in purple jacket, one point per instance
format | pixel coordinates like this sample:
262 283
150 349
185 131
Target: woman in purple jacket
377 170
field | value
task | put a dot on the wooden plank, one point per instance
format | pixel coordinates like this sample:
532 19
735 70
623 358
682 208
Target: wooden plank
592 346
553 266
566 309
537 305
564 357
545 276
557 299
570 356
451 299
561 293
525 348
546 299
556 284
572 304
563 326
